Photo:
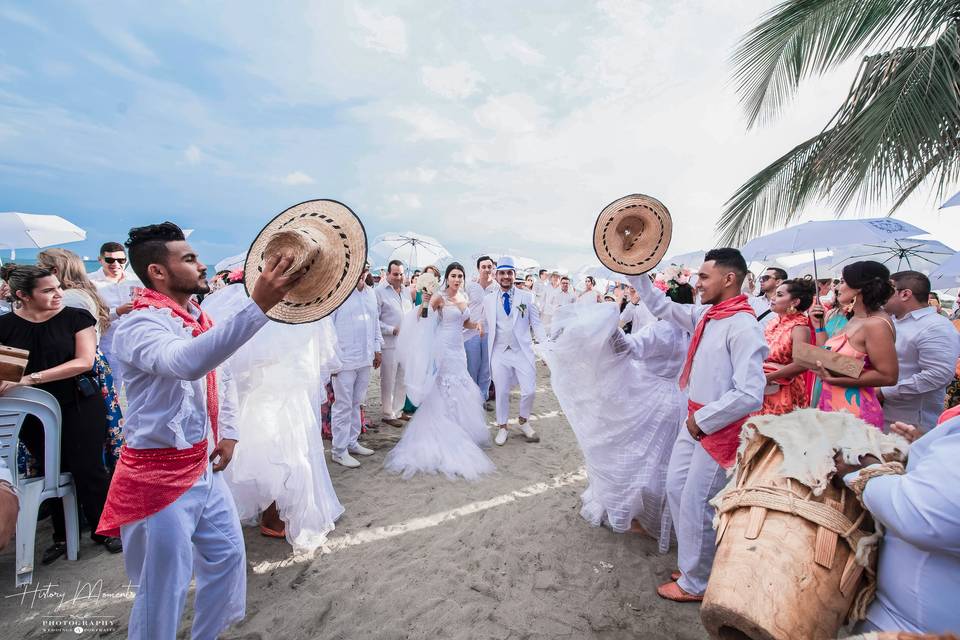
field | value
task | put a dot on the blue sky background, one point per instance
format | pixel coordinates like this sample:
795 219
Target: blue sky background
492 126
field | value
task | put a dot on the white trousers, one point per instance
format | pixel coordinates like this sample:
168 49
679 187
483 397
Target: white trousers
693 479
198 534
392 389
349 392
509 368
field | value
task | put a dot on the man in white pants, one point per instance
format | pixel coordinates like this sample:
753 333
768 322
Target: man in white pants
359 344
724 375
509 315
393 302
474 343
171 507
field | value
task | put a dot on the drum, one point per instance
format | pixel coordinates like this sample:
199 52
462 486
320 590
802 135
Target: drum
785 565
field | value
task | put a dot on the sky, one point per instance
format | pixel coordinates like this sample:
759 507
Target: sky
493 126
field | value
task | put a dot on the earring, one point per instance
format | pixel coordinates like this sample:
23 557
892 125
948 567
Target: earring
792 309
17 304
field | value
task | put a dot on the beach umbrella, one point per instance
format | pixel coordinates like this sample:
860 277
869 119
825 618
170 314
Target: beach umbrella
691 259
947 275
952 202
414 250
36 231
897 255
231 263
827 235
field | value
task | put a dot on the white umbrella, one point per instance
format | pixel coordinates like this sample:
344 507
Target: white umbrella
827 235
231 263
692 259
414 250
917 255
952 202
947 275
35 231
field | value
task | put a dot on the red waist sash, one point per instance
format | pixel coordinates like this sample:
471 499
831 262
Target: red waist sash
722 445
147 481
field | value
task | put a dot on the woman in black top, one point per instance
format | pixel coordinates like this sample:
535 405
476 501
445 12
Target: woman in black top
62 345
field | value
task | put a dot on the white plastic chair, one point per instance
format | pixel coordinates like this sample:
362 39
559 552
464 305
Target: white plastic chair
15 406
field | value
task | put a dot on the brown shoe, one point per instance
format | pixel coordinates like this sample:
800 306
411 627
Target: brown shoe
406 417
672 591
393 422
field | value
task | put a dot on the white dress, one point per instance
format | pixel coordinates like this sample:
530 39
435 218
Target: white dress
448 432
621 397
279 457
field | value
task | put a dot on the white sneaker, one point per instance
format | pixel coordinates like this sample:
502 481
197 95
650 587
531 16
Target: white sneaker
529 433
360 450
501 437
346 460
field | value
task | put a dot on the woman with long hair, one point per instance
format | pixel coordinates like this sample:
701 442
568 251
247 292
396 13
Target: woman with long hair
869 335
62 345
448 432
786 380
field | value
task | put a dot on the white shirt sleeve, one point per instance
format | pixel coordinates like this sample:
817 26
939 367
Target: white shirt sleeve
938 349
228 416
748 349
684 316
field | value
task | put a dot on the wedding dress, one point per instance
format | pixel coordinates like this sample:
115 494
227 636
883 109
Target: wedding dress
448 432
620 396
279 457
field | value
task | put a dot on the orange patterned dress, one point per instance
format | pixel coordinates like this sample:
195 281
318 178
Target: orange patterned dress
792 392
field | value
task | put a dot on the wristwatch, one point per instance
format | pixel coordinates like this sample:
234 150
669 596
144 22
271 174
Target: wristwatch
36 377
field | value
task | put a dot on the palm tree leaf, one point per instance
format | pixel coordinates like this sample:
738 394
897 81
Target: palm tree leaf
801 38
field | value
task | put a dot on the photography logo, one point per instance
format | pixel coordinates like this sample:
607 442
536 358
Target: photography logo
79 625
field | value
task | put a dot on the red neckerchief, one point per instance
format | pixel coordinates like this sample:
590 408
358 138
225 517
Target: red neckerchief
719 311
149 298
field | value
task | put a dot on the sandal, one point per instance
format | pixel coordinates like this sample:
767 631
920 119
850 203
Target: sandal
672 591
272 533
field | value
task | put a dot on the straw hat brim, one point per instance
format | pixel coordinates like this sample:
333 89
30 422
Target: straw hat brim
632 234
329 241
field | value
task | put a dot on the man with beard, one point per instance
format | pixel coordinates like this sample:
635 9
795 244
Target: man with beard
171 508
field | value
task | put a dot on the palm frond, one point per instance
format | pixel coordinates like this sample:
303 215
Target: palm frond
899 126
801 38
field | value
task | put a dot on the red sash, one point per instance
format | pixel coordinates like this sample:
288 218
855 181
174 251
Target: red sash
147 481
719 311
722 445
952 412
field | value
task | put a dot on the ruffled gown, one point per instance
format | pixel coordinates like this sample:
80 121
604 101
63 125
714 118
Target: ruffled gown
279 375
448 432
620 396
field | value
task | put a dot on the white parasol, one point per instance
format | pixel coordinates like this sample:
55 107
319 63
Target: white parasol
36 231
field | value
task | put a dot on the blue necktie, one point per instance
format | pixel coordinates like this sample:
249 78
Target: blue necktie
506 302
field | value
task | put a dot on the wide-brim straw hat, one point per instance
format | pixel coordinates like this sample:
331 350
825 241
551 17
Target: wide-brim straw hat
324 237
632 234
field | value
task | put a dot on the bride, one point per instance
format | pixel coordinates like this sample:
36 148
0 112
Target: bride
448 432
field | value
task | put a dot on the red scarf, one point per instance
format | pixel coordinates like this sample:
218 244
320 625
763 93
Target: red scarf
722 445
950 413
149 480
725 309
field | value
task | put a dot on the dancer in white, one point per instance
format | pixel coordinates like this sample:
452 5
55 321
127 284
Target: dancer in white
589 295
724 372
278 475
171 507
509 315
447 434
359 344
393 302
598 374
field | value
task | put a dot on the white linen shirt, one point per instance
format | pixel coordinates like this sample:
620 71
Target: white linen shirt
761 305
638 314
358 330
391 307
476 294
727 376
113 294
165 370
927 349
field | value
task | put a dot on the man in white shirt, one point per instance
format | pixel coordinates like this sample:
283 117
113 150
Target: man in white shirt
772 278
540 288
393 302
475 344
359 348
550 299
116 287
724 376
927 350
171 507
635 313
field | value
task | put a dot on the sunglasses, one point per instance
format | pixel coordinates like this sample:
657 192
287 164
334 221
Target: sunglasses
765 278
112 260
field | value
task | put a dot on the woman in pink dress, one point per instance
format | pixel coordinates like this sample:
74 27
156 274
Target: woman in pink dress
869 335
787 380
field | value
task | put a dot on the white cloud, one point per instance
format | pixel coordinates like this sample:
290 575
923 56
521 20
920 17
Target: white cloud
514 113
510 46
297 178
405 200
423 175
24 19
131 45
8 72
458 80
382 32
427 124
192 154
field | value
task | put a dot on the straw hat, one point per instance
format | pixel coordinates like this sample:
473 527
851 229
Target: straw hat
632 234
328 240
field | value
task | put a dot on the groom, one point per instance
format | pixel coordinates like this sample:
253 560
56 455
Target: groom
508 316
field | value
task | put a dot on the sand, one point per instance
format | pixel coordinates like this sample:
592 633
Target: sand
505 557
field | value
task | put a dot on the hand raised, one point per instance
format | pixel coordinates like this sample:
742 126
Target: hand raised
275 283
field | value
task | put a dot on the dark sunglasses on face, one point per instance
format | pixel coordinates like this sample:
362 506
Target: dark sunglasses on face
765 278
112 260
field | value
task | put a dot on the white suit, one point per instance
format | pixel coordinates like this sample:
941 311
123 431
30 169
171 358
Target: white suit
392 306
510 347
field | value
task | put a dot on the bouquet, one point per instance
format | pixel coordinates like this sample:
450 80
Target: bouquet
672 277
426 284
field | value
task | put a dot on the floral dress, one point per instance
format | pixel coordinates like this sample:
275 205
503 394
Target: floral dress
953 390
860 401
791 392
835 324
